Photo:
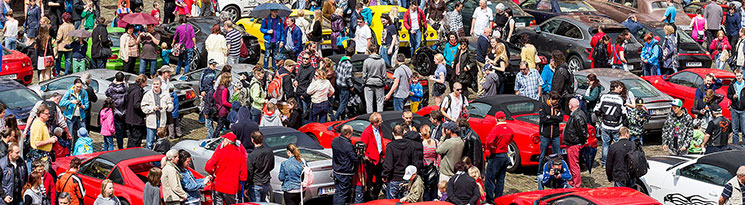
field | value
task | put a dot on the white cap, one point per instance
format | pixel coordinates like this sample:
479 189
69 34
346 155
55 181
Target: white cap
410 171
500 7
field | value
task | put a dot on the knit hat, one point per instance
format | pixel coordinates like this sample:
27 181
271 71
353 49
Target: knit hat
82 132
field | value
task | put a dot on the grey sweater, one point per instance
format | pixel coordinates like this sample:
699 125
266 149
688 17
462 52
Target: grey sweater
106 201
151 194
451 151
373 71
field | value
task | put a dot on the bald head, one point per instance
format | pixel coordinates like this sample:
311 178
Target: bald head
573 104
346 131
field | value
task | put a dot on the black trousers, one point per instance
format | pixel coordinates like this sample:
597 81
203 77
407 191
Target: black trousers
136 133
376 172
129 65
292 198
711 34
222 122
344 189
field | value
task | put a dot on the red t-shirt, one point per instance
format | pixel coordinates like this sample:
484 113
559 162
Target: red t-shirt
615 53
155 13
498 139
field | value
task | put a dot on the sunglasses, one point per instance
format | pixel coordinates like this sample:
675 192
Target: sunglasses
458 89
306 58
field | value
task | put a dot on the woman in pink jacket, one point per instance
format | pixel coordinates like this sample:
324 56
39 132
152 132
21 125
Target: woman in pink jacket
222 104
107 124
720 50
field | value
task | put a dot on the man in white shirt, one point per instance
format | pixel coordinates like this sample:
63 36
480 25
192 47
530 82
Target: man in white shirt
362 36
482 17
454 103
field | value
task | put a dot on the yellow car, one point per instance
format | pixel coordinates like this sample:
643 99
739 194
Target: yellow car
252 26
403 34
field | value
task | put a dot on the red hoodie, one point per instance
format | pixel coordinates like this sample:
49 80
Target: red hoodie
228 165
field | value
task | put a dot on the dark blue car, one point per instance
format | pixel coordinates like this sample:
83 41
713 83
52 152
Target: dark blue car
17 98
545 9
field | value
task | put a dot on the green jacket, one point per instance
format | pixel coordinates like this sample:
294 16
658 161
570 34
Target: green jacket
416 191
698 139
258 95
451 151
89 18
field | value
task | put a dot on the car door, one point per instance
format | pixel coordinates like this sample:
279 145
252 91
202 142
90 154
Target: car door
567 35
60 86
696 182
92 173
545 36
683 86
479 118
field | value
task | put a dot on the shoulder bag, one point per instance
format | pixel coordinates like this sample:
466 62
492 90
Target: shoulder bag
48 60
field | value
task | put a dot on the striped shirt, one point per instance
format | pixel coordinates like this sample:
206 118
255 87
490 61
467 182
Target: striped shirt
233 39
727 192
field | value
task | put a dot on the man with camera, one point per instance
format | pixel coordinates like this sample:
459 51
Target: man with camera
344 163
555 174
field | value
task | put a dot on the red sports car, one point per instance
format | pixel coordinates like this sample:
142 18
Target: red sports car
324 133
599 196
397 201
16 65
522 118
128 168
683 84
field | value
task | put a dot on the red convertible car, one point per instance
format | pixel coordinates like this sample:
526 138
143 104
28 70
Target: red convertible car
324 133
599 196
522 118
127 168
16 65
683 84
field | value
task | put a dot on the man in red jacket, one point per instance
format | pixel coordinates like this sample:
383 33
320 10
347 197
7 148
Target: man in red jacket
228 174
374 153
498 141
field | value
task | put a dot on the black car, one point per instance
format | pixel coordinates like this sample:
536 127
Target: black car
522 18
202 29
690 53
543 10
357 61
572 34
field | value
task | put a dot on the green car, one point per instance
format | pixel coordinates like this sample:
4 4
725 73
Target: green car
114 62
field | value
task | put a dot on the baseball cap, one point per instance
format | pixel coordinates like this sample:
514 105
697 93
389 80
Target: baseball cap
212 61
715 108
639 101
165 68
677 102
499 114
410 171
230 136
450 126
82 132
290 63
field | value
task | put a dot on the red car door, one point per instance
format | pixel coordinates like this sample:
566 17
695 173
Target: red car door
92 174
682 85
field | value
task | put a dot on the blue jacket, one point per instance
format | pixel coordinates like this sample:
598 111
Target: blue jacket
191 185
207 80
482 48
450 52
297 39
69 107
367 15
345 159
276 24
732 24
418 92
565 175
633 26
78 49
289 174
547 75
83 145
651 52
174 113
13 179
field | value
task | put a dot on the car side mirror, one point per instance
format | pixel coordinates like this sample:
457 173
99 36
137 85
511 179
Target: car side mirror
203 144
44 87
665 77
537 29
677 173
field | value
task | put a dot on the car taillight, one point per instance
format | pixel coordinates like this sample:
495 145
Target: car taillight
190 95
113 57
532 23
536 140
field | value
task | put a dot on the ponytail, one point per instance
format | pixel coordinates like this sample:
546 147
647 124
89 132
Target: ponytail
295 151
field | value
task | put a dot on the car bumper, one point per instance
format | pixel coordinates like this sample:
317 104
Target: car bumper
188 107
25 74
312 192
694 61
655 123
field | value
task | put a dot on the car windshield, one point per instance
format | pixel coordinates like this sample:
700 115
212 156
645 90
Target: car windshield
520 108
640 88
533 119
307 155
18 98
663 5
614 32
574 6
114 37
682 36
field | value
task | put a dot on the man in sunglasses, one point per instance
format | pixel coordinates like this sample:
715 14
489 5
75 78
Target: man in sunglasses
528 82
454 104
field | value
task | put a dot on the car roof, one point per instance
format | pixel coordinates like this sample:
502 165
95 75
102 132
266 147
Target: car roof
729 160
10 84
591 20
126 154
303 140
498 101
608 73
704 71
386 115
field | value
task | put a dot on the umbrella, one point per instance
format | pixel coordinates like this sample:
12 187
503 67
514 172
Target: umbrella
262 11
140 18
82 33
589 152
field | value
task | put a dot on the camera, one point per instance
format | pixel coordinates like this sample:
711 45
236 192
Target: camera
557 172
359 148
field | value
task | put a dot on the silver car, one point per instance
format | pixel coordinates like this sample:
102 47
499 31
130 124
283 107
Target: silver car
192 77
657 102
277 138
100 81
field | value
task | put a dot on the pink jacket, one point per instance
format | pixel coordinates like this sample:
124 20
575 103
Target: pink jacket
107 122
717 45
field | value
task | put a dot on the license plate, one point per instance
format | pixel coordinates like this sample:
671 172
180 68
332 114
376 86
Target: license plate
663 111
11 76
521 24
694 64
327 191
325 46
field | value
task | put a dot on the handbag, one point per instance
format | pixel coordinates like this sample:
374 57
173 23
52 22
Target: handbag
48 60
176 50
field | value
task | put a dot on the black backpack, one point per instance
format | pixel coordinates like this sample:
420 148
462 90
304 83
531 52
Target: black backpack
209 105
636 161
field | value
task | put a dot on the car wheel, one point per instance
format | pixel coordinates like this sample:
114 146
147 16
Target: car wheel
640 187
233 12
254 51
575 64
194 64
513 154
426 63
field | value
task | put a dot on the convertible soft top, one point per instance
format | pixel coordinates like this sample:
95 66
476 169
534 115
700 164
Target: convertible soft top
729 160
121 155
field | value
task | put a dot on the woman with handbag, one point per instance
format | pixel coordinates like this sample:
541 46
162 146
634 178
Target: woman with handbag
698 27
128 49
45 58
720 50
430 174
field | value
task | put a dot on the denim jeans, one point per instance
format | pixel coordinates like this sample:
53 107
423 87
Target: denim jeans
496 168
320 111
630 183
259 193
184 60
395 190
650 69
541 186
343 101
720 64
384 55
99 63
738 125
398 104
232 60
359 194
343 185
74 124
210 128
555 144
255 115
121 131
11 42
108 143
150 139
403 3
415 40
607 136
68 62
145 62
270 50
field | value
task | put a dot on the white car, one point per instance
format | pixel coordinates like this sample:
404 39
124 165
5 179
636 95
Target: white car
690 179
234 9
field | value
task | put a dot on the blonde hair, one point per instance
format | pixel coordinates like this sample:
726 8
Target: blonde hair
442 184
669 30
375 117
474 172
103 187
439 57
225 79
501 53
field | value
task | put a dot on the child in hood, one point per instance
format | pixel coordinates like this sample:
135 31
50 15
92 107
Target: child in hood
84 144
271 115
